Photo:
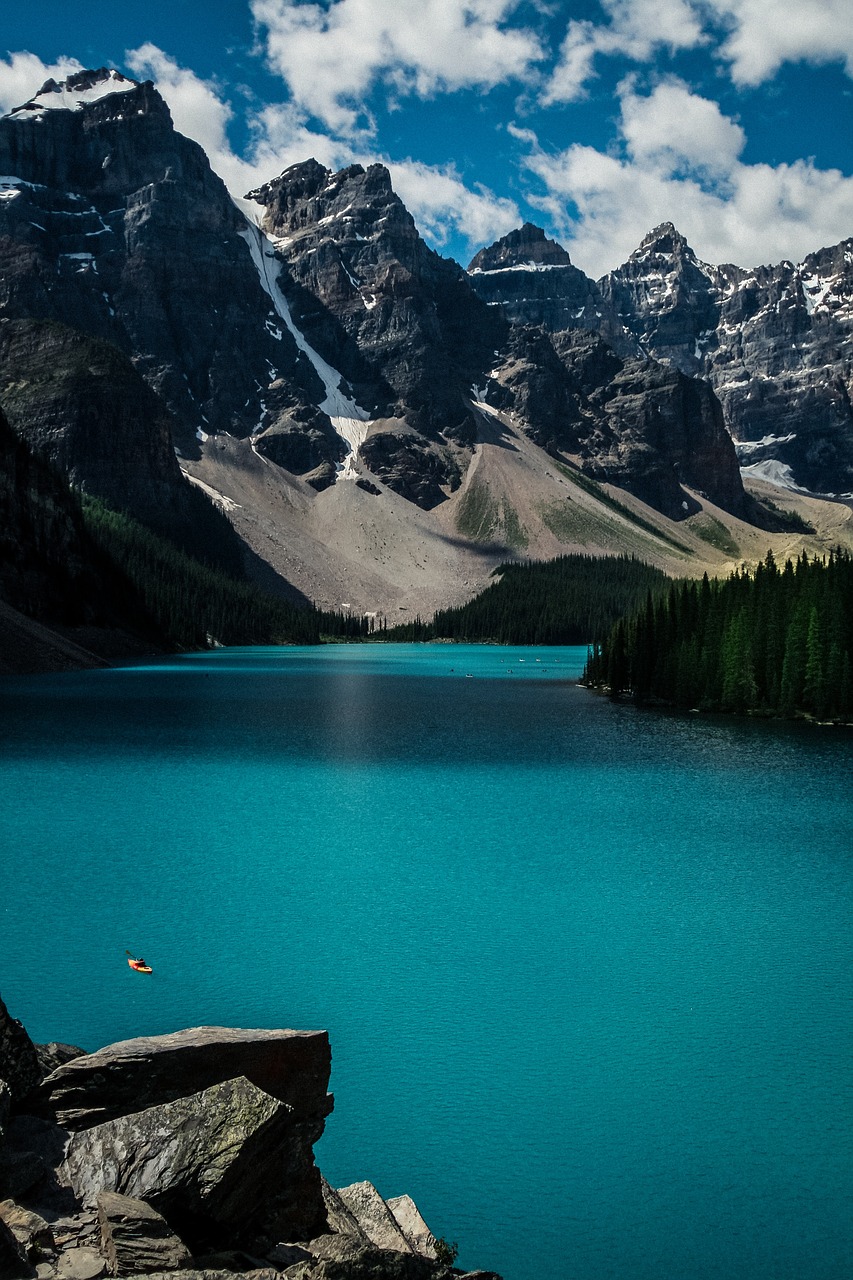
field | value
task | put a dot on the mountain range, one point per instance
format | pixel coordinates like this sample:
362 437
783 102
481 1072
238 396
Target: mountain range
380 426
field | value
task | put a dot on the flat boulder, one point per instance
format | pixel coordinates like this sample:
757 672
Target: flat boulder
409 1220
227 1165
19 1064
132 1075
374 1217
137 1239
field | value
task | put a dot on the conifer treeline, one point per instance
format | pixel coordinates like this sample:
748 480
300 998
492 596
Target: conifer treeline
190 603
570 600
777 642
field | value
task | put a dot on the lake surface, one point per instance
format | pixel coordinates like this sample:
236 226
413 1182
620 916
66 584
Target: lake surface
587 970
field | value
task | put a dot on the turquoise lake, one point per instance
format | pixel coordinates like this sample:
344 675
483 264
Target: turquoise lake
587 970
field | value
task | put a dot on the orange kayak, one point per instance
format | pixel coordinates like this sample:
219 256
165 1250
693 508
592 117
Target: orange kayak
140 966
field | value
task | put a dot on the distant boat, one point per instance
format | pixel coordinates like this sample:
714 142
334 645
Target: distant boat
138 964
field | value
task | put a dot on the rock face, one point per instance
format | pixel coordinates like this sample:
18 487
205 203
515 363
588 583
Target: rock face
532 279
632 422
114 222
230 1162
19 1064
776 343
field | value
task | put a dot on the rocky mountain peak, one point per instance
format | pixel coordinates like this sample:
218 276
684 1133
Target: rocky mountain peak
663 241
81 91
354 203
527 246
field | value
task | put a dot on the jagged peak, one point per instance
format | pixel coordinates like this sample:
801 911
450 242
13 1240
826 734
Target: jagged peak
77 91
526 246
663 239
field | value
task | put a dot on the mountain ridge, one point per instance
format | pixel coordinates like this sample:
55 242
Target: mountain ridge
347 397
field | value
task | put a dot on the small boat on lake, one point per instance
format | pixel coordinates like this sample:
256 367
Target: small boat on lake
137 963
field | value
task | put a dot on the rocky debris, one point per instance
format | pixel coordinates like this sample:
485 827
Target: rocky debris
229 1162
55 1055
135 1238
374 1217
412 1225
343 1257
214 1182
80 1264
19 1064
292 1066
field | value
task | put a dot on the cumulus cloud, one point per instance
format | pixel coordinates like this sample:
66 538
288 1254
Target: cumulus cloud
603 204
332 55
23 74
443 206
637 30
754 37
765 33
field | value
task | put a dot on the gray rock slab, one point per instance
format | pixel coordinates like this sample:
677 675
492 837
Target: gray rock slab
230 1156
81 1264
292 1066
340 1218
28 1227
374 1217
412 1225
136 1238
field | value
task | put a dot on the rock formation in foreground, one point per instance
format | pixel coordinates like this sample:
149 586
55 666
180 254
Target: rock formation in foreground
190 1152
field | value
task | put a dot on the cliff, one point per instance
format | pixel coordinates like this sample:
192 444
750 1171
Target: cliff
193 1152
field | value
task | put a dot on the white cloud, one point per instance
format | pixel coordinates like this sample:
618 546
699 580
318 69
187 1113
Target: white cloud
755 37
637 30
673 129
438 199
443 206
23 74
603 205
332 55
766 33
197 109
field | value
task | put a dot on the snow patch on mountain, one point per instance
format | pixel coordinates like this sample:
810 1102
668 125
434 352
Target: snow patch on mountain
68 97
348 418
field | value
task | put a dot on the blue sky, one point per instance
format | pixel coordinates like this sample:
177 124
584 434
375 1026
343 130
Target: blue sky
597 119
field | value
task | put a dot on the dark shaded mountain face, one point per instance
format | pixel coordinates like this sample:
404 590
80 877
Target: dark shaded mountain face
775 343
331 336
114 223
